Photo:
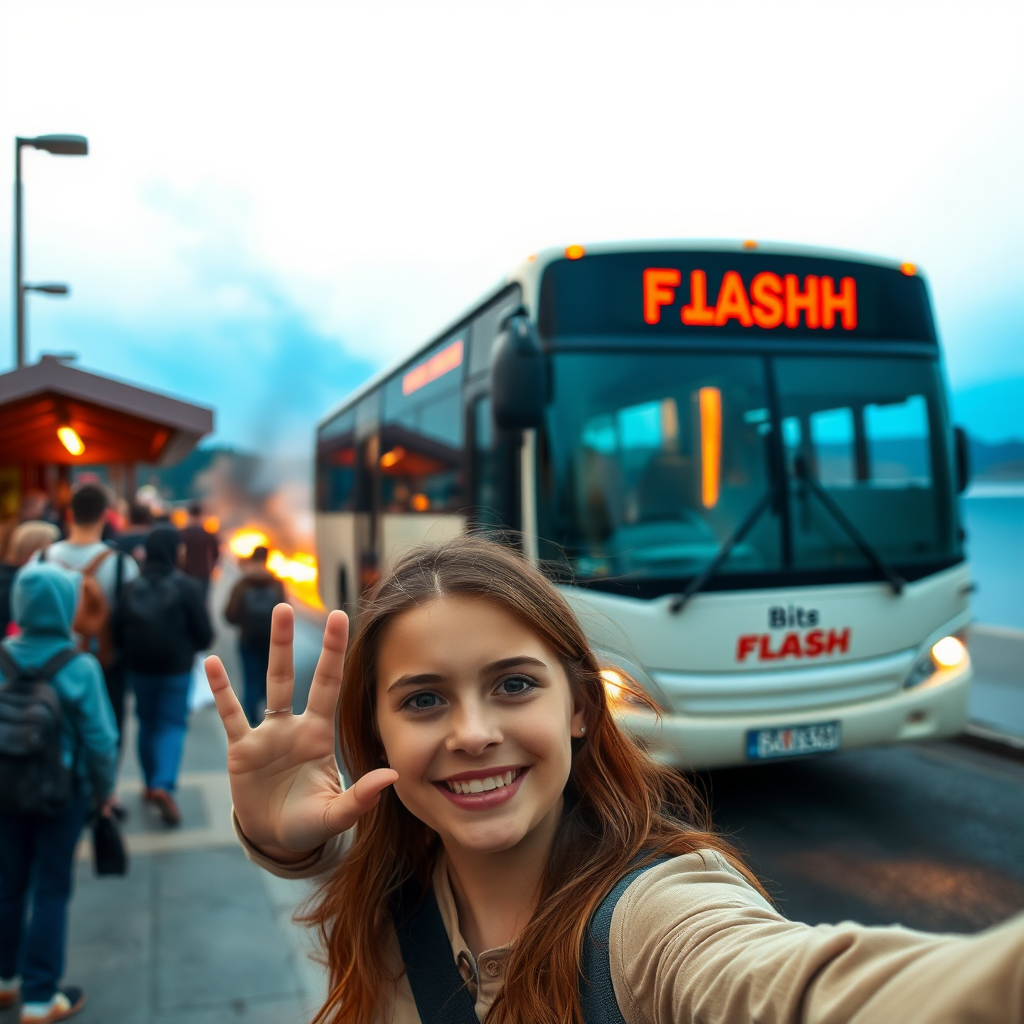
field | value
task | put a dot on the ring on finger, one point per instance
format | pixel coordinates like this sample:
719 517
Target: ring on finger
277 711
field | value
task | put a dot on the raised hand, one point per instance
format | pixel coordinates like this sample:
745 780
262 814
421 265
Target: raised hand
284 779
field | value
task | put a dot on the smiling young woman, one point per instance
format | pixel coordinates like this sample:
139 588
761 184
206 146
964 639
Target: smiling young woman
493 779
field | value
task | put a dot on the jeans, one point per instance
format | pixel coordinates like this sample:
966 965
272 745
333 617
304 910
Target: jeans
36 858
161 703
114 678
255 661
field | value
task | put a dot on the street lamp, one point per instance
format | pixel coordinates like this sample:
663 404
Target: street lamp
59 145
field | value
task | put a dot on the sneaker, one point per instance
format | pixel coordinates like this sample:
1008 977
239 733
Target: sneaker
63 1005
9 989
168 808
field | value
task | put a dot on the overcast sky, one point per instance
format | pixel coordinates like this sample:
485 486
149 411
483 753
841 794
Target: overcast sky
281 198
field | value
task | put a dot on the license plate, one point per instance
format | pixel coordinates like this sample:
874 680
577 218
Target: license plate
795 741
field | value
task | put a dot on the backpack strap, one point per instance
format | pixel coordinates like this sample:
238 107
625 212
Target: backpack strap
95 563
437 986
15 674
597 995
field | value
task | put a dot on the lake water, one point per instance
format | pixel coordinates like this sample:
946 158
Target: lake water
995 546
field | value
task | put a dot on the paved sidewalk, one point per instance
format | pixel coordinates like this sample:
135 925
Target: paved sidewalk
194 934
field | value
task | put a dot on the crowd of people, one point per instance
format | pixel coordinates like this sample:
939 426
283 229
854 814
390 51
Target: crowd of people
96 605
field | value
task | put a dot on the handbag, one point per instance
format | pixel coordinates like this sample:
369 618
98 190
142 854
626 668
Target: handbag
109 855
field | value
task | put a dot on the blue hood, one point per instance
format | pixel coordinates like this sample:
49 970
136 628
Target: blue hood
43 600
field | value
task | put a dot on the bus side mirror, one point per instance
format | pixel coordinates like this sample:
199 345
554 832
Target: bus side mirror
519 375
962 447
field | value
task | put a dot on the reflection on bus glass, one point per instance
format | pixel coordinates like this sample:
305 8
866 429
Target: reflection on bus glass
448 359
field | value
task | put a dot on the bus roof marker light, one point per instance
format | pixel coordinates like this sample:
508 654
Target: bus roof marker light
910 269
949 652
710 402
749 243
574 252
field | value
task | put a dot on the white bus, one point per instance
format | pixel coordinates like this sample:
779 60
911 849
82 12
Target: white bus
736 459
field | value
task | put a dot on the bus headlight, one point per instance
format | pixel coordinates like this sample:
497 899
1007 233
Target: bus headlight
949 652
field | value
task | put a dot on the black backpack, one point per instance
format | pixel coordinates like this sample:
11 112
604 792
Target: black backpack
258 603
153 616
33 776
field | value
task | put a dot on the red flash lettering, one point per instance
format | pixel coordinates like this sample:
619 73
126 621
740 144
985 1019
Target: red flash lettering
814 643
806 300
838 641
845 303
765 652
697 313
745 645
766 291
658 285
791 647
732 302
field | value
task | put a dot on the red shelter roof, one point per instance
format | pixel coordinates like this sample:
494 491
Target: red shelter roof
117 422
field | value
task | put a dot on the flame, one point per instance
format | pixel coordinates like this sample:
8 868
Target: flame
298 571
244 542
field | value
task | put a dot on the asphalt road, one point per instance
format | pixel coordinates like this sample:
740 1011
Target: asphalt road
928 836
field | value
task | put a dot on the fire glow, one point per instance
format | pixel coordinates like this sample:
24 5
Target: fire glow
298 571
771 302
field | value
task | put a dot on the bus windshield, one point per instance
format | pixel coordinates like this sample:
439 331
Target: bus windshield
650 460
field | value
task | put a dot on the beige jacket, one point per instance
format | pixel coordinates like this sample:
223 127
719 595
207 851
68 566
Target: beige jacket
692 941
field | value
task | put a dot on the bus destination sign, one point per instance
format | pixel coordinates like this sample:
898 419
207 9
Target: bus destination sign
657 295
771 302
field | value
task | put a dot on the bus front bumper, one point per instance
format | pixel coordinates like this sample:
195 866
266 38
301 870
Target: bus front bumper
936 709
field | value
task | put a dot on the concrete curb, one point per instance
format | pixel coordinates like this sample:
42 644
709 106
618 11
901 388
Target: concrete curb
993 741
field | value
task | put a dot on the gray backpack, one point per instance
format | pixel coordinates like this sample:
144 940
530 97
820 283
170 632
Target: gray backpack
33 776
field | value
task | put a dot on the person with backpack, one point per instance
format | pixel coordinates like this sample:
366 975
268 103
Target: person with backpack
58 760
251 607
507 853
25 540
160 624
105 571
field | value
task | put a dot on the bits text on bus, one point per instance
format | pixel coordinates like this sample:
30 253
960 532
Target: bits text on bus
771 302
790 616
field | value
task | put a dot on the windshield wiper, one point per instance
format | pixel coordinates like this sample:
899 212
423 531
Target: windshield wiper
698 582
803 472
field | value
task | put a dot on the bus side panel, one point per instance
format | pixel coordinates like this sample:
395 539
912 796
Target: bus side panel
401 531
338 577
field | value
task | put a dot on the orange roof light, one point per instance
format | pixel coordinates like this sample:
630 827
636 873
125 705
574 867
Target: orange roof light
70 439
573 252
909 269
750 244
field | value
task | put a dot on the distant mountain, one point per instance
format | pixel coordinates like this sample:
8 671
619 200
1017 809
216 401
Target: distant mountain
991 412
997 462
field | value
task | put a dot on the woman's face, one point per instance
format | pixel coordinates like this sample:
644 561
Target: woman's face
476 716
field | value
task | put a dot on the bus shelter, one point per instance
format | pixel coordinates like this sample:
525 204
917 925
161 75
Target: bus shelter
56 418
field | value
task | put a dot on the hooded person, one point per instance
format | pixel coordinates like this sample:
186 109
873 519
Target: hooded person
160 624
37 850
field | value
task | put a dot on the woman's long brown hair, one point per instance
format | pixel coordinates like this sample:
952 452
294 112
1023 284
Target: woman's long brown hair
620 805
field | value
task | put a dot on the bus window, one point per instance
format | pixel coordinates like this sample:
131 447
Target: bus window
421 436
871 428
897 440
649 464
493 468
337 465
832 437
